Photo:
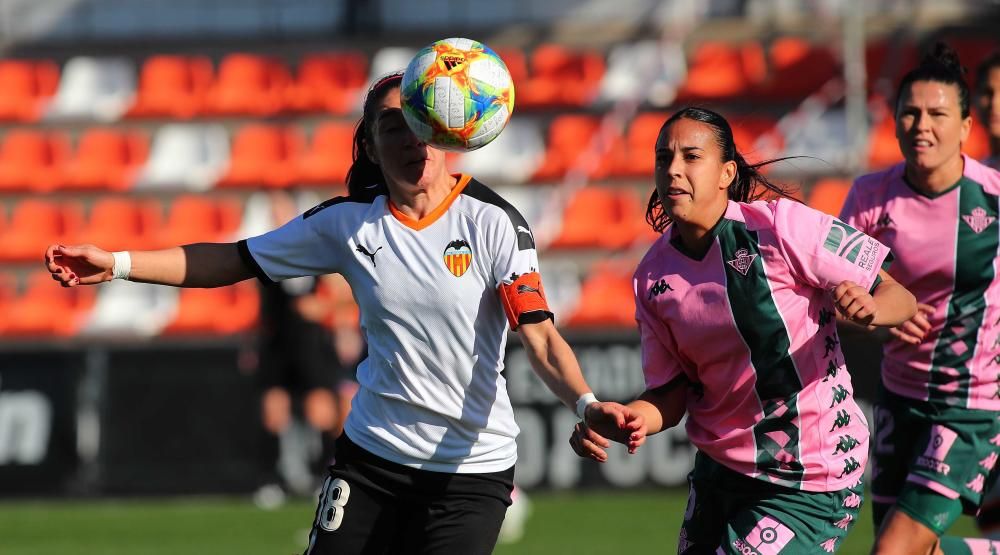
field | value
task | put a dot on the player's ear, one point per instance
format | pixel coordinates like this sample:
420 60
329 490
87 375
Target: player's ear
728 174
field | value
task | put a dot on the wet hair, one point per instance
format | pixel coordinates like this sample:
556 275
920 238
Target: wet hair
364 178
940 65
748 185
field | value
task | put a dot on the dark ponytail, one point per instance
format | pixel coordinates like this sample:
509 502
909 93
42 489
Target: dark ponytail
940 65
364 178
748 185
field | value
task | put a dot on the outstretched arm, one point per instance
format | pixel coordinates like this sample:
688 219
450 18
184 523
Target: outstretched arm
195 265
890 305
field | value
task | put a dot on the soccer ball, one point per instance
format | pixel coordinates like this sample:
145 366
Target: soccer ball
457 94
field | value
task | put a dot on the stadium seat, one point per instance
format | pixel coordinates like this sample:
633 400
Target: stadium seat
517 65
33 160
645 71
185 156
757 137
388 59
606 297
328 156
883 148
45 309
828 195
248 84
640 142
196 219
513 157
107 158
219 311
263 156
718 70
331 82
37 223
8 292
978 143
123 308
93 89
886 61
27 88
120 223
590 215
569 135
561 77
172 86
795 69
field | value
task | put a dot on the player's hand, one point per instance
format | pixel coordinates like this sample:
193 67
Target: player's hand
855 303
79 265
616 422
589 444
915 329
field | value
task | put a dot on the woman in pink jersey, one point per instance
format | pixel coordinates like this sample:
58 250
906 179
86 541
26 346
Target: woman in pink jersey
937 434
736 307
441 267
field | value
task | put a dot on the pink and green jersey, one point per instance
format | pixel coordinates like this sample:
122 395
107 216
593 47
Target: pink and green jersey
945 249
751 326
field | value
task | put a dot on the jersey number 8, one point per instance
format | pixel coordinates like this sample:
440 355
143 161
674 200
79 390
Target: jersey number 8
335 496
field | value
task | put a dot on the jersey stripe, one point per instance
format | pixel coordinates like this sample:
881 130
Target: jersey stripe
975 250
763 330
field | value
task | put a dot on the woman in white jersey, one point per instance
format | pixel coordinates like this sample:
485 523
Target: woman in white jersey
440 266
736 309
937 434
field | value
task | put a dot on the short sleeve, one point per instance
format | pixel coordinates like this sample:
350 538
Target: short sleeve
511 257
298 248
852 212
660 361
824 251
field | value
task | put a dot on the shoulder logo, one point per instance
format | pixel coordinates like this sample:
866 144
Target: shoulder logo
742 261
361 249
659 288
522 229
458 257
978 220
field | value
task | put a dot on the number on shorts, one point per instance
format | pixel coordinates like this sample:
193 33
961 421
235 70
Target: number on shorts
331 504
884 425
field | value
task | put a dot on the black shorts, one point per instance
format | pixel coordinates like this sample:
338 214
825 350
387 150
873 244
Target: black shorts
299 357
369 505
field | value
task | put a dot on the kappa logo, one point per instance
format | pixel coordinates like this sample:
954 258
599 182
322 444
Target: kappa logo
742 261
979 219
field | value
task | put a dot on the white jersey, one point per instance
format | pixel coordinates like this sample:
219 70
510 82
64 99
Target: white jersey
431 391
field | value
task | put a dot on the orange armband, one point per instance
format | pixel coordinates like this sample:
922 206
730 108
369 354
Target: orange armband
524 300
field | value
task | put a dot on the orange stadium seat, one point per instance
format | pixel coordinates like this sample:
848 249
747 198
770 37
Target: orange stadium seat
33 160
748 132
328 156
119 223
195 219
107 158
885 63
978 143
569 135
590 215
640 141
27 87
46 309
606 297
796 69
828 195
248 84
883 149
716 70
172 86
561 77
331 82
35 224
219 311
263 155
517 65
8 292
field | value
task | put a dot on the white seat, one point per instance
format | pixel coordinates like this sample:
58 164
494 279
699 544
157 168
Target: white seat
134 309
512 157
389 59
186 156
93 88
647 71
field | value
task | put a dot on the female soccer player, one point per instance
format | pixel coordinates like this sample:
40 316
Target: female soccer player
736 309
937 435
439 265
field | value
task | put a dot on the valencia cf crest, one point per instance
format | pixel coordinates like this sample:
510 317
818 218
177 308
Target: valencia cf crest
458 257
742 261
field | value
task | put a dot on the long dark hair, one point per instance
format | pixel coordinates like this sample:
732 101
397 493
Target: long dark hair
940 65
364 178
748 185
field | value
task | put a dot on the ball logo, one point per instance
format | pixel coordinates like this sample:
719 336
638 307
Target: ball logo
458 257
451 61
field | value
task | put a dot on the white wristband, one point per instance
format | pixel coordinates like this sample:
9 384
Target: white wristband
123 265
581 404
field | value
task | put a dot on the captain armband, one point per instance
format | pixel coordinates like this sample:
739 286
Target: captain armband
524 300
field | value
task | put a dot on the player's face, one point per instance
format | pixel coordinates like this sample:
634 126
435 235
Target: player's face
691 178
404 159
930 128
988 102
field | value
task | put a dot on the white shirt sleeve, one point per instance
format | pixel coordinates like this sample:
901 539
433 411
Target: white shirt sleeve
305 246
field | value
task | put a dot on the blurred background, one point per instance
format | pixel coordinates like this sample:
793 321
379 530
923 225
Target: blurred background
155 420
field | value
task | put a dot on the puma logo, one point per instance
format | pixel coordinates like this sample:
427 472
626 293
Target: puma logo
522 229
364 251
